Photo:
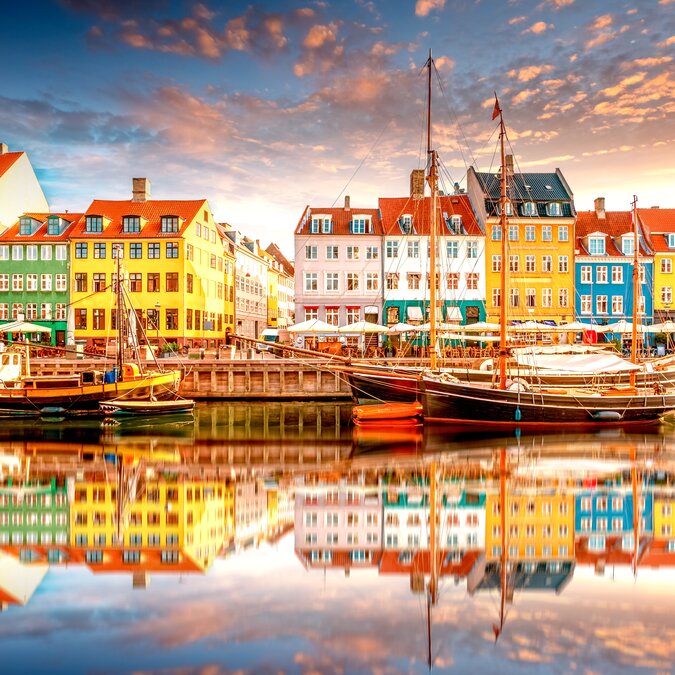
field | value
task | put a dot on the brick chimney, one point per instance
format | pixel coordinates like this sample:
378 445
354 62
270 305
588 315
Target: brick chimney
509 164
347 204
417 183
600 207
140 189
3 148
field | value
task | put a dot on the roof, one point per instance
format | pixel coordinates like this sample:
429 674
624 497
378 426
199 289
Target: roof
392 208
151 210
658 223
420 561
530 187
614 224
12 233
7 160
341 219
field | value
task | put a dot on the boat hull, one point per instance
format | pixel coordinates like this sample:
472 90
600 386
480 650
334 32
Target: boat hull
87 397
465 404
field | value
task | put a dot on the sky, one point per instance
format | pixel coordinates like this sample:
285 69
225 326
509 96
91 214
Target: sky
263 108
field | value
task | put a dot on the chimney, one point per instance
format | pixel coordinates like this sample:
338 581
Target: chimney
509 164
3 148
600 207
417 183
141 189
347 205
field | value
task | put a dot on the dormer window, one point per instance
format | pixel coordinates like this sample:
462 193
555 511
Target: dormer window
529 209
94 224
554 209
359 225
314 226
671 239
131 224
27 225
596 245
509 208
54 224
454 223
627 245
327 226
169 224
406 223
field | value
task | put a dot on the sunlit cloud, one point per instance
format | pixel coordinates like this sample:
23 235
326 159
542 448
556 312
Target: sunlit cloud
538 28
647 62
667 42
516 20
425 7
529 72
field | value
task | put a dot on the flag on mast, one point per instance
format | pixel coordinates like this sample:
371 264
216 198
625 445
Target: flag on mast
496 110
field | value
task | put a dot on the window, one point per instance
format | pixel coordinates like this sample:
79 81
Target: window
353 314
585 274
596 245
171 249
4 252
135 282
601 304
496 297
332 281
514 263
131 224
31 282
563 297
513 232
515 297
601 274
171 319
627 245
586 304
99 250
327 226
496 233
4 282
392 249
93 224
530 297
352 252
496 263
617 274
472 249
360 225
153 282
451 248
352 281
53 225
188 318
172 282
546 263
529 209
80 318
546 297
60 311
414 281
17 282
98 282
547 233
61 252
333 316
331 252
372 281
391 280
98 319
31 311
372 252
554 209
472 281
169 224
135 250
666 294
31 252
563 264
45 252
17 252
413 249
453 281
530 233
17 311
311 281
46 312
563 233
81 249
530 263
61 282
311 253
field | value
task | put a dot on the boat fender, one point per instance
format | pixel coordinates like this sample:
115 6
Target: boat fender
518 415
487 365
607 416
519 384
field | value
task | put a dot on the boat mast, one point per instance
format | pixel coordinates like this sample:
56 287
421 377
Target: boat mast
120 309
502 226
432 179
636 510
497 629
636 289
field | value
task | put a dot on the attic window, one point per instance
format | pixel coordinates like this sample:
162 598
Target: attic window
360 225
169 224
53 225
671 240
405 222
26 225
596 245
529 209
131 224
627 247
454 223
509 209
548 187
94 224
554 209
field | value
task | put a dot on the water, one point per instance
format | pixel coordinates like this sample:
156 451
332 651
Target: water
277 569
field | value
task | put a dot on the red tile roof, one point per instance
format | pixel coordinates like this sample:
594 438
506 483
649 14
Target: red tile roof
7 160
614 224
392 208
658 223
151 210
12 233
341 218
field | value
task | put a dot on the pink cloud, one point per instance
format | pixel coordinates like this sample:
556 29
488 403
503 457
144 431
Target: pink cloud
425 7
517 19
668 42
538 28
318 35
601 22
529 72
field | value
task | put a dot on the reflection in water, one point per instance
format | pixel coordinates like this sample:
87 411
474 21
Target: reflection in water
444 543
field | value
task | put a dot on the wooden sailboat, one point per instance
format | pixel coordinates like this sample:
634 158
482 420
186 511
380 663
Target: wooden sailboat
521 405
22 393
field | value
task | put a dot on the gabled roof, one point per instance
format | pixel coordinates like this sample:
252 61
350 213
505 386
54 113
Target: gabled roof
614 225
341 219
392 208
658 223
529 187
151 210
7 160
40 234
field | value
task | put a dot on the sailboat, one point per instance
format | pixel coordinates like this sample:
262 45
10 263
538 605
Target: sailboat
508 404
24 394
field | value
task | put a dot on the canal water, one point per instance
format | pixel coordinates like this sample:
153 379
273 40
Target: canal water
279 538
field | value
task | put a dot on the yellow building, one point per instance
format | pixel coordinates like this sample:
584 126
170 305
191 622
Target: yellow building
540 243
173 262
273 274
664 517
170 521
539 527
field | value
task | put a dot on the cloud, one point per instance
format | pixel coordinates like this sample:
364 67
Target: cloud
647 62
444 63
425 7
516 20
601 22
538 28
668 42
319 35
522 96
528 73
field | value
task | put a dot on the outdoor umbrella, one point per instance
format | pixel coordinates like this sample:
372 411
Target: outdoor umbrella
312 326
23 327
363 327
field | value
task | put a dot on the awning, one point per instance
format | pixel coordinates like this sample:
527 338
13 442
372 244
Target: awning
453 314
414 313
23 327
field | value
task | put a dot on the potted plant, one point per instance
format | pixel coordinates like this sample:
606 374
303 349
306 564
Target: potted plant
169 349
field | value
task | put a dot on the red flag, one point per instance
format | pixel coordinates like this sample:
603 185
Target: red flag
497 110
